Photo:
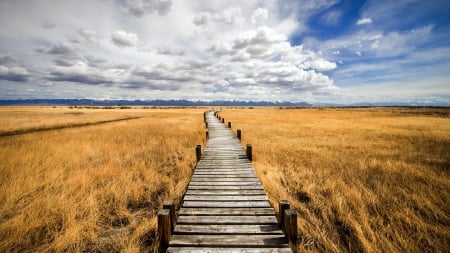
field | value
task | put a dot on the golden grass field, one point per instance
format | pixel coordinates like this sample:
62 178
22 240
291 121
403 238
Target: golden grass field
94 188
362 180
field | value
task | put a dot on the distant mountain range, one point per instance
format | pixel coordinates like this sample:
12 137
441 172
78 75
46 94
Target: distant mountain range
93 102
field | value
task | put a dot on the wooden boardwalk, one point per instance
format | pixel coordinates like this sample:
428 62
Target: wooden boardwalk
225 208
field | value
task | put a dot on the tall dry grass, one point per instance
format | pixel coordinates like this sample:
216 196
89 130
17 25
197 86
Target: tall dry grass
362 180
94 188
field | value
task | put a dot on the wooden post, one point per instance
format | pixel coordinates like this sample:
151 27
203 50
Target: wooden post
229 124
206 124
204 116
282 206
223 120
249 152
239 134
290 224
207 134
198 151
168 204
164 227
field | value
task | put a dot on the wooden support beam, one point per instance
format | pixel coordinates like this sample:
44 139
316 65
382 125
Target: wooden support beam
283 205
164 227
168 204
229 124
239 134
198 151
249 152
290 224
207 134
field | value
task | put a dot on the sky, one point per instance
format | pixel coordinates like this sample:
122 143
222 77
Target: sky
316 51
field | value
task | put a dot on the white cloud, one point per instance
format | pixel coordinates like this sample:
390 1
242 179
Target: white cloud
90 36
15 74
140 7
364 21
124 39
259 15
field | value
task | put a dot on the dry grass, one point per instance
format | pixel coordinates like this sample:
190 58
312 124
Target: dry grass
95 188
362 180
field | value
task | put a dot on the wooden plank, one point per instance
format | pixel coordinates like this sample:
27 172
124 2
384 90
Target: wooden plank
226 250
228 220
273 229
229 241
224 179
225 198
224 183
225 187
225 192
222 204
227 211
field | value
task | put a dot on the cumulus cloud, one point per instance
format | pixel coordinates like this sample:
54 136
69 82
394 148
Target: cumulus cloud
90 36
229 16
139 8
259 15
124 39
7 59
65 61
364 21
79 73
58 49
15 74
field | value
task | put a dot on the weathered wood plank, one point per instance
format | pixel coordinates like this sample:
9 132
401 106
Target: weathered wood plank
224 183
227 211
224 220
221 204
224 179
225 198
226 250
225 192
229 241
225 187
273 229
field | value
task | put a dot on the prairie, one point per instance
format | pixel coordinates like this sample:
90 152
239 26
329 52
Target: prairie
93 188
361 180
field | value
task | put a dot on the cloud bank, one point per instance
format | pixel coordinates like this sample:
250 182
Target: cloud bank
213 50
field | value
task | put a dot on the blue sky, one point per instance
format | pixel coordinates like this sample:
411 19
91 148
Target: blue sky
318 51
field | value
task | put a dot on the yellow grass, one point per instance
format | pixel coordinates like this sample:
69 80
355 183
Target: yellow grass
92 188
362 180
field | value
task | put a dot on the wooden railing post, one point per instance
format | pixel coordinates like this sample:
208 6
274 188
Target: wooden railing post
198 151
207 134
290 224
164 227
283 205
229 124
249 152
223 120
239 134
168 204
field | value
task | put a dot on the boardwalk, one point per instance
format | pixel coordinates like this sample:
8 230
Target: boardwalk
225 208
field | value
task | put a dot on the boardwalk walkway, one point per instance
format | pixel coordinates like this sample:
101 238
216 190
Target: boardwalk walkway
225 208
